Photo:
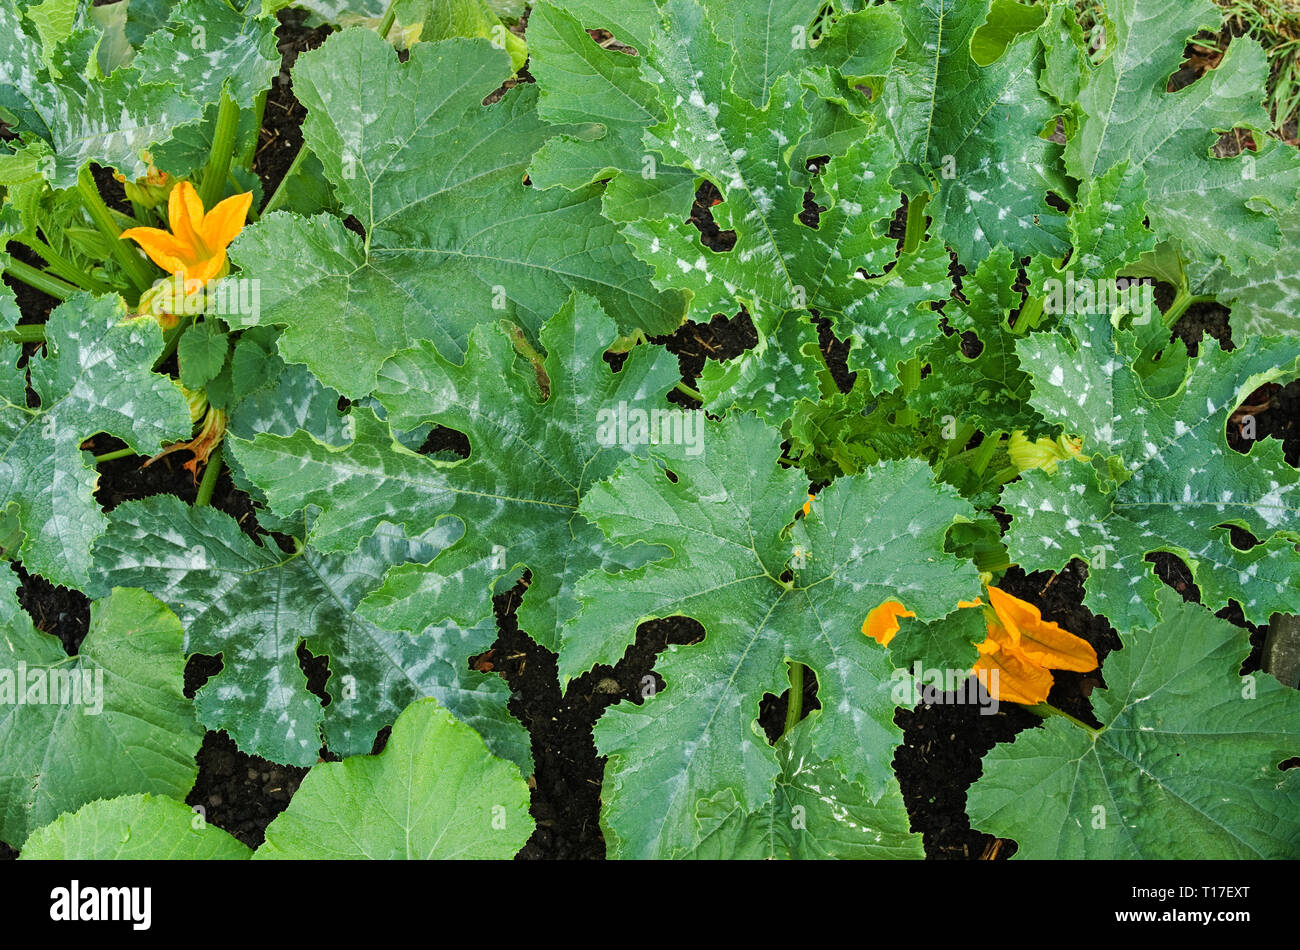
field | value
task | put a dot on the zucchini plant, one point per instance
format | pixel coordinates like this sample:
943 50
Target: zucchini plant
965 236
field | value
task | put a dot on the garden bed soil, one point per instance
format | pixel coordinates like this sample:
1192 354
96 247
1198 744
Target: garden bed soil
943 743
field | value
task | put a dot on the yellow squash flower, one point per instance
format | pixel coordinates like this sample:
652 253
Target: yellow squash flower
1024 648
1021 646
195 248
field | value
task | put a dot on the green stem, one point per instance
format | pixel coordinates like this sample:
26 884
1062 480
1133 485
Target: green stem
259 113
223 146
281 192
1181 302
958 441
984 452
794 708
1031 314
26 333
1008 474
60 265
210 476
915 222
910 377
992 560
171 339
125 221
122 251
1044 710
35 277
112 456
687 390
390 14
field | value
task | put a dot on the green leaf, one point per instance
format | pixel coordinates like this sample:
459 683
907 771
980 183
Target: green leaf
944 644
990 390
449 244
724 514
602 94
144 17
1182 484
1184 766
133 828
109 120
444 19
262 393
1219 208
975 128
94 378
517 494
814 814
207 47
118 725
434 792
11 532
9 314
186 153
202 352
256 605
1107 226
1265 300
54 20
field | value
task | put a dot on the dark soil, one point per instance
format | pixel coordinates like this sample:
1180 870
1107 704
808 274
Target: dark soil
281 134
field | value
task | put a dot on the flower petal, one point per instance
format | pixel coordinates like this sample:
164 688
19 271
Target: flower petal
207 269
223 223
882 623
163 248
1042 641
185 213
1009 676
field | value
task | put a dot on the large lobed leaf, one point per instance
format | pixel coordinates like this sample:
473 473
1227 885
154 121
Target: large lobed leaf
111 120
515 499
1218 208
448 244
1181 484
255 605
724 515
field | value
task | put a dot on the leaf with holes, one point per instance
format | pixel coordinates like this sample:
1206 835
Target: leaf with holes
515 500
765 594
1128 116
964 105
95 377
1182 486
257 606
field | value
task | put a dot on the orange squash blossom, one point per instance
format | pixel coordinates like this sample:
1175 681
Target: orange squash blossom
195 247
1021 646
